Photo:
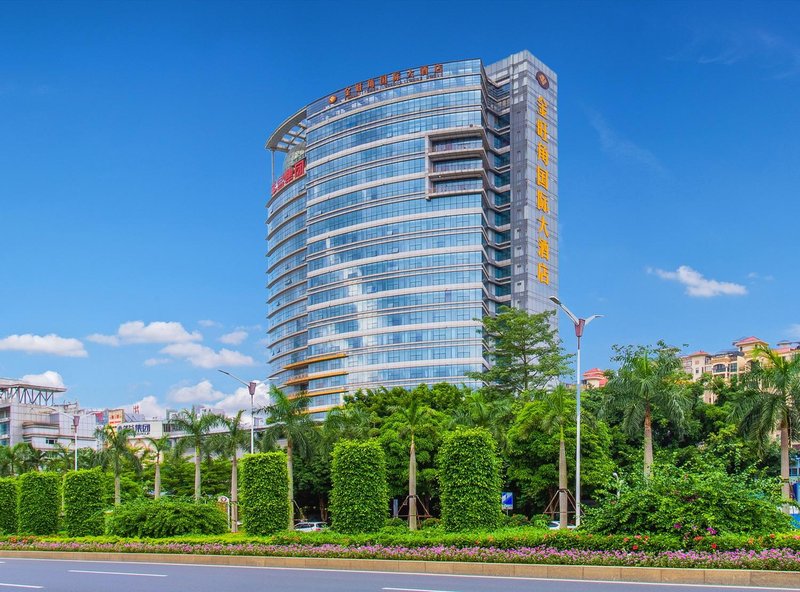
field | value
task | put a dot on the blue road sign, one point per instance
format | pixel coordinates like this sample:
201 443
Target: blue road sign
507 500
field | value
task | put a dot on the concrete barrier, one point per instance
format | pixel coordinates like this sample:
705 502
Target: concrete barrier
656 575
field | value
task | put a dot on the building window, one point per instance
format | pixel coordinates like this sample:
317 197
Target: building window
718 369
50 441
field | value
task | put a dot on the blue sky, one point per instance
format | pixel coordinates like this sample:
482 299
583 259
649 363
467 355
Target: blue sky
133 177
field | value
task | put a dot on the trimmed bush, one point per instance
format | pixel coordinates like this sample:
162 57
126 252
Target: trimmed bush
469 475
39 503
83 503
264 493
166 518
8 506
360 495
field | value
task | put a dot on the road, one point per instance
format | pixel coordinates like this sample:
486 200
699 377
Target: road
102 576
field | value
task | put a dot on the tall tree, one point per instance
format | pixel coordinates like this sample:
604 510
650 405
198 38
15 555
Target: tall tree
235 437
525 352
409 418
117 448
287 419
158 446
559 411
479 411
61 458
772 402
648 379
195 427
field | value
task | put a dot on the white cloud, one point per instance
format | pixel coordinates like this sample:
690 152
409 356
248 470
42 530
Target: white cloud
757 276
209 323
622 148
234 338
697 285
205 357
155 332
44 344
202 392
156 361
240 399
47 378
148 406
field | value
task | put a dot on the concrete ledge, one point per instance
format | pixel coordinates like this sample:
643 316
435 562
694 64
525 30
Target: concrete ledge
655 575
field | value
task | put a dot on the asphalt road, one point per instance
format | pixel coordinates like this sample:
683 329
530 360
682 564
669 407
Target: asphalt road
102 576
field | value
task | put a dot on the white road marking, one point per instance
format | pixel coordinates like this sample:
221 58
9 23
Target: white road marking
117 573
415 590
21 586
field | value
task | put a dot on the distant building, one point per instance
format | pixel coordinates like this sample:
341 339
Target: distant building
28 413
729 363
594 378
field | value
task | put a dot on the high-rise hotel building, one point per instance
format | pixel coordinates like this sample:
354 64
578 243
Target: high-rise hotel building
404 208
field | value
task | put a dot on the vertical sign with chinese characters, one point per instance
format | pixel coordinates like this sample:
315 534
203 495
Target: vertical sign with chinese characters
543 184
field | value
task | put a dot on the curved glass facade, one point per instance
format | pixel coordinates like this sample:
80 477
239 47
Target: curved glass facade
407 207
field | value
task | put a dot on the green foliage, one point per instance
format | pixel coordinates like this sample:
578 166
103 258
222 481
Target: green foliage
470 480
430 523
130 489
533 454
694 500
525 350
264 493
166 518
8 506
360 497
39 503
83 503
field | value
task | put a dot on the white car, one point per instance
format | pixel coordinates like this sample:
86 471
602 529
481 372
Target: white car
555 525
310 526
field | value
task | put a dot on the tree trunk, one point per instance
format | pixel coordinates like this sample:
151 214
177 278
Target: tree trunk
563 508
785 485
648 442
289 468
234 495
157 488
117 493
197 473
412 487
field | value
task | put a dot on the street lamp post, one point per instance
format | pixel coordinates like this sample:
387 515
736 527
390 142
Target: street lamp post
76 419
251 388
580 325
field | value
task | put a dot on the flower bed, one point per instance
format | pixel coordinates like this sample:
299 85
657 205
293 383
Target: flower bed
784 559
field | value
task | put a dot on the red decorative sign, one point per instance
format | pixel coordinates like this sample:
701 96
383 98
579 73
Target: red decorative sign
291 174
381 82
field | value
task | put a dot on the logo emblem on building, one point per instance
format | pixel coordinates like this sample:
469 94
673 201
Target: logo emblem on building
541 78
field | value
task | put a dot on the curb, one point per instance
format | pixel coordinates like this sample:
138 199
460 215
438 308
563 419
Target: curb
654 575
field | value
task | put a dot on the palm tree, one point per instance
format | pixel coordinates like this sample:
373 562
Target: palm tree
158 446
6 468
648 380
772 401
558 414
235 437
19 457
195 427
479 411
61 458
353 423
409 418
89 458
286 418
117 449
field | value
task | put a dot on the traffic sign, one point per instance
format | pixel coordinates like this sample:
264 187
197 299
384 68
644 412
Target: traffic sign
507 500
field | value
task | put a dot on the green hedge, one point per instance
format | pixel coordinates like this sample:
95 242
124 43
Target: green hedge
8 506
166 518
469 475
39 503
264 493
83 503
360 495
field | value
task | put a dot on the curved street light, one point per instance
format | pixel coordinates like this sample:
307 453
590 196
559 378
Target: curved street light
251 388
580 325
